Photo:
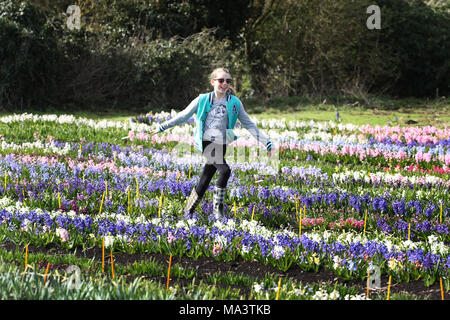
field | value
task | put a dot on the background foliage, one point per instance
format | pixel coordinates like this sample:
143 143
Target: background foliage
149 55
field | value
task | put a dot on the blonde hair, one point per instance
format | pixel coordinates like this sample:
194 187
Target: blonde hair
213 75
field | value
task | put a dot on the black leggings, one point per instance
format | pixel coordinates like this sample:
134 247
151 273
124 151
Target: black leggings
215 161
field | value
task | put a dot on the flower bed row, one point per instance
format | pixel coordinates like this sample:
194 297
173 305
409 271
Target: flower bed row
346 254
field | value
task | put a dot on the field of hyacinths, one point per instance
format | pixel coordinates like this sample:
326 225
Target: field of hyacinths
92 209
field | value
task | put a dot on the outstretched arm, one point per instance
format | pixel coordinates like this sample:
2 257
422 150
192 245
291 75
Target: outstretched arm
248 124
180 118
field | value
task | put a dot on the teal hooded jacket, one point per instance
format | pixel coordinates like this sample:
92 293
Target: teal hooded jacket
204 106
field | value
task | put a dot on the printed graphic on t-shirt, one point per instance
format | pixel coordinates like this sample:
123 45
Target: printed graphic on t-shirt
216 124
215 117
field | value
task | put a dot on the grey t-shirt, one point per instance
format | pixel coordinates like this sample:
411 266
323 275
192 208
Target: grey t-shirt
216 122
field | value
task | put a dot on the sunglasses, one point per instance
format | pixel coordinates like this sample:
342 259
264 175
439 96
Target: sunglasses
221 80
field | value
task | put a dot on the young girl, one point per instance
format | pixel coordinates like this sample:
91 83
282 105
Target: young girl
217 113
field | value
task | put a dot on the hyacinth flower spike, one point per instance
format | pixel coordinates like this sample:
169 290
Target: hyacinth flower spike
192 202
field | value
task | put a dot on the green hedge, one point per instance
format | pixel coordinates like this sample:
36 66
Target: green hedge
141 55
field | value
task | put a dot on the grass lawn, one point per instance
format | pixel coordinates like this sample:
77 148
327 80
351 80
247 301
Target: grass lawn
359 116
379 111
